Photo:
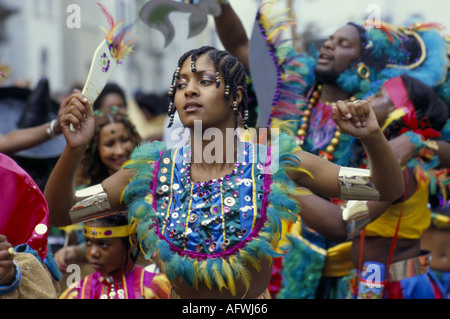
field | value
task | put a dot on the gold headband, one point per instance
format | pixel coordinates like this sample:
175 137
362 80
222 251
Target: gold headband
108 232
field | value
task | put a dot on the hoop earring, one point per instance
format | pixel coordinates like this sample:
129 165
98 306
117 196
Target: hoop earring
363 70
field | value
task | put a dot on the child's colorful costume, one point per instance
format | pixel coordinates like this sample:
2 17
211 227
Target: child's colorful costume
135 284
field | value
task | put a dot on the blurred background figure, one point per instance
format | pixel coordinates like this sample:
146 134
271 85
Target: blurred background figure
148 111
23 108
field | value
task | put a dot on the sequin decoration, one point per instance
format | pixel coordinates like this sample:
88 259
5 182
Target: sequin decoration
105 63
210 217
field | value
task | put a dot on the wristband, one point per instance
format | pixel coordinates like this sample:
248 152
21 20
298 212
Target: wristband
8 288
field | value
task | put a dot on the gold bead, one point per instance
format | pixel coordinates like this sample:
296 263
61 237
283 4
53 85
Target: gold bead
301 132
337 133
304 126
319 87
334 141
307 113
12 251
312 101
315 95
329 149
305 119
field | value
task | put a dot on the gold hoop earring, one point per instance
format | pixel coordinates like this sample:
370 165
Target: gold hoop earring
363 70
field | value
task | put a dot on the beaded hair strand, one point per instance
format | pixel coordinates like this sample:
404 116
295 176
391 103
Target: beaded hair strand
231 69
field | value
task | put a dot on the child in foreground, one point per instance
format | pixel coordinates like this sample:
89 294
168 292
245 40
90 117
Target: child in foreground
111 246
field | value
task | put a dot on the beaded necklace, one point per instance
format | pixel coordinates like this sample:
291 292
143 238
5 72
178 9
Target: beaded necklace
209 217
113 286
302 132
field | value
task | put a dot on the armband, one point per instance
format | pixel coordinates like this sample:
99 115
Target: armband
355 184
356 215
91 202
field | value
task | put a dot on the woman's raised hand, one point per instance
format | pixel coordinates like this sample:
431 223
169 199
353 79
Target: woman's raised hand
77 121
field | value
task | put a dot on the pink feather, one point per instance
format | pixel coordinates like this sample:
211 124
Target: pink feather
108 16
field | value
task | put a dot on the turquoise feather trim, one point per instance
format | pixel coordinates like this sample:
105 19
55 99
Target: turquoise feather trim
217 271
302 270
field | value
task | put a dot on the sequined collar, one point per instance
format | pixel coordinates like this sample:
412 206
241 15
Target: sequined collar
213 218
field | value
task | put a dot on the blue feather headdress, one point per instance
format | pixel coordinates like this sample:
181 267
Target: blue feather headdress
417 50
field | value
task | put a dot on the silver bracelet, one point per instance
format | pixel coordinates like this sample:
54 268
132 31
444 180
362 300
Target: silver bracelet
91 203
51 129
355 184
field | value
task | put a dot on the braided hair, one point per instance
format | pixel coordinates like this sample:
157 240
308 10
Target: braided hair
225 64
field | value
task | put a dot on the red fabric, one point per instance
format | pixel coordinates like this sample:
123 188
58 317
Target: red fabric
23 208
400 99
436 290
275 281
393 290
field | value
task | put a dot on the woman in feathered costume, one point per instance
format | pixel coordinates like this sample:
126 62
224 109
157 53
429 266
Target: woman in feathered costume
213 210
